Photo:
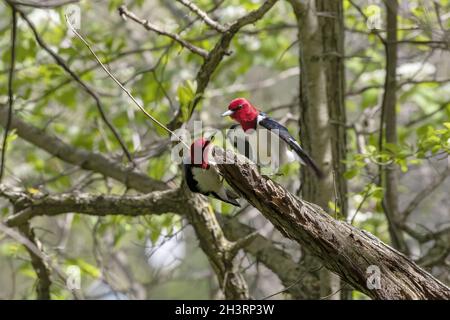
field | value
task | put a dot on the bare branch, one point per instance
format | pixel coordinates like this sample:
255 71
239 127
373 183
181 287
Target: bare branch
123 11
203 15
252 16
157 202
442 44
131 177
439 251
219 250
213 58
268 82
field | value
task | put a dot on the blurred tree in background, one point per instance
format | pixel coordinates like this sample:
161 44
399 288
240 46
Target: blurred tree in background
363 84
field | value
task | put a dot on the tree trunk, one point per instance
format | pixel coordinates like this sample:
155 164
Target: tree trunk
355 255
333 32
322 110
389 122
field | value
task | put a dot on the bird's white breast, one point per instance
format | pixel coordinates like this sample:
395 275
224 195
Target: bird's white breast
208 179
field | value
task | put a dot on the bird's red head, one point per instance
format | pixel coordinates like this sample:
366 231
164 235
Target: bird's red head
244 112
199 152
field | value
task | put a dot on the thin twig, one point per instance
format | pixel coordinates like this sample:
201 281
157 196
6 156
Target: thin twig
427 115
77 79
423 194
268 82
294 284
375 31
10 90
121 86
123 11
203 15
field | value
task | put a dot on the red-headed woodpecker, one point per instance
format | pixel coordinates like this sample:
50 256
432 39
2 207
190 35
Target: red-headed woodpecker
251 120
202 177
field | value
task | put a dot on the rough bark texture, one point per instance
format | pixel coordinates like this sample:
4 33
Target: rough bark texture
332 25
342 248
157 202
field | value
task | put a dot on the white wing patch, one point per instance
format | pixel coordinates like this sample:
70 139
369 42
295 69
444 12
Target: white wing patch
260 118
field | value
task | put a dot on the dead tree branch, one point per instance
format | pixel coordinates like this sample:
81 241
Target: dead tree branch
342 248
157 202
124 12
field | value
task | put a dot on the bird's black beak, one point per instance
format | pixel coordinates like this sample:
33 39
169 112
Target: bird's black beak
227 113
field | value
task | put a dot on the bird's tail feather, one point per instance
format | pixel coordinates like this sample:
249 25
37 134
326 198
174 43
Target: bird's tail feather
308 161
228 196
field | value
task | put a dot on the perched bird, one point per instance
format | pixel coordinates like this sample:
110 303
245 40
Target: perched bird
247 136
202 177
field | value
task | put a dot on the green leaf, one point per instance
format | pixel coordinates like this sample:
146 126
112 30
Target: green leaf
186 94
333 207
350 174
377 193
85 267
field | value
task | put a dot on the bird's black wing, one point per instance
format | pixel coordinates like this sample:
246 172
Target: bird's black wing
192 184
189 176
284 134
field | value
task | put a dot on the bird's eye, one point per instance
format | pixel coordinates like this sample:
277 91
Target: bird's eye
239 107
